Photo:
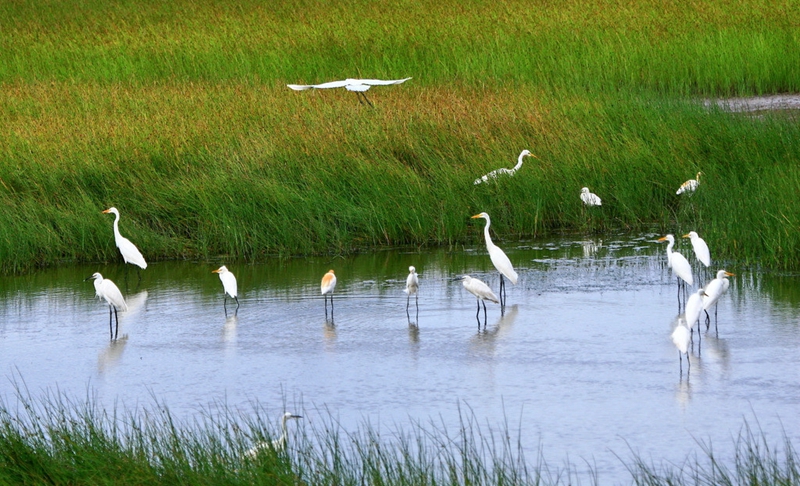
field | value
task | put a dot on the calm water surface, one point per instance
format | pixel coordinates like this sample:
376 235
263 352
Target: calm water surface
581 362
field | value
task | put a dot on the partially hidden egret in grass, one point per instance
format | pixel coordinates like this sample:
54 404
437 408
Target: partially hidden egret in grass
326 287
681 337
228 286
480 290
412 286
130 254
510 172
694 307
690 186
679 265
359 86
108 290
589 198
714 290
700 248
499 259
278 444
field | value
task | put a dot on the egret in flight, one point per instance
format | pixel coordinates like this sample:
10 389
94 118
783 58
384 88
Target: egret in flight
412 286
690 186
278 444
359 86
714 290
106 289
228 286
681 338
326 287
130 253
493 174
700 248
590 199
482 291
679 264
499 259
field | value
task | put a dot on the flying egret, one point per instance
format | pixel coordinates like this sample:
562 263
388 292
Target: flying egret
681 338
106 289
327 286
278 444
714 290
694 306
499 258
130 253
700 248
679 264
690 186
482 292
228 286
359 86
412 286
590 199
493 174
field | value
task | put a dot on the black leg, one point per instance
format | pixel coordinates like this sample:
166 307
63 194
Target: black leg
116 316
110 327
408 302
484 314
416 301
502 292
225 303
680 361
363 95
237 302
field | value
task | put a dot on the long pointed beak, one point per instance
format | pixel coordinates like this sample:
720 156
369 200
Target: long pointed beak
88 278
685 236
476 216
663 238
729 274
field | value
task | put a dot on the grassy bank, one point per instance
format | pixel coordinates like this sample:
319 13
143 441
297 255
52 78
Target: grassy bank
54 440
178 115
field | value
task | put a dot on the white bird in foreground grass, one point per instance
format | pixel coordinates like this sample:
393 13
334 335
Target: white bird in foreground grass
480 290
228 285
356 85
493 174
690 186
714 290
278 444
412 286
326 287
700 248
106 289
499 258
678 263
130 253
590 199
681 337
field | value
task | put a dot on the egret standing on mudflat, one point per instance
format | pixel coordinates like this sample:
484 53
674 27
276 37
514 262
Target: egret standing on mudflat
690 186
700 248
482 291
679 264
359 86
493 174
590 199
106 289
412 286
228 286
681 338
278 444
714 290
326 287
499 259
130 253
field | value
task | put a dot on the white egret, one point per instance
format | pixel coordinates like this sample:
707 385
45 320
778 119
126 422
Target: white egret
700 248
278 444
694 306
228 286
130 253
714 290
326 287
493 174
480 290
681 337
690 186
678 263
412 286
106 289
499 258
359 86
590 199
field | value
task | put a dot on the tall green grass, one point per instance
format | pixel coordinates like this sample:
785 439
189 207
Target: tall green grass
178 115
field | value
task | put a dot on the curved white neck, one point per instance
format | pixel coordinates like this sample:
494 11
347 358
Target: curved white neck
486 233
519 161
116 225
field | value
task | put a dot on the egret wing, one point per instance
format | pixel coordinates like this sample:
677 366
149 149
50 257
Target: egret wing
379 82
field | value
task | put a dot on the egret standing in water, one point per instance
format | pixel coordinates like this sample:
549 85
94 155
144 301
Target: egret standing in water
694 307
130 254
510 172
499 259
412 286
679 265
700 248
482 291
228 286
326 287
714 290
681 338
359 86
589 198
106 289
278 444
690 186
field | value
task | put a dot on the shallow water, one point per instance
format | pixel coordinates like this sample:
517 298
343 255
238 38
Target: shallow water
581 362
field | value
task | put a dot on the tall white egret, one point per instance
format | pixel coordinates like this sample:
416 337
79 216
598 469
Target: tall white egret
690 186
499 259
681 337
412 286
326 287
493 174
228 286
714 290
130 253
278 444
480 290
700 248
106 289
678 263
694 306
589 198
359 86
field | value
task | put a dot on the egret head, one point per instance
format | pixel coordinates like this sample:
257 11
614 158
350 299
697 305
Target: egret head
94 276
585 190
669 238
527 153
411 269
330 271
221 269
112 211
725 273
691 234
290 415
481 215
698 176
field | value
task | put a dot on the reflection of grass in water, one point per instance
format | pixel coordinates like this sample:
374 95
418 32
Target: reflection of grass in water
56 440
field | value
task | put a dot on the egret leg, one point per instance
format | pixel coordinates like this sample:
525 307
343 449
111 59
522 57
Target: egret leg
478 313
325 298
116 316
365 98
680 361
484 314
408 301
225 303
416 301
237 302
110 328
502 292
716 330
